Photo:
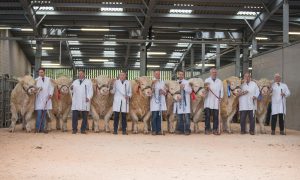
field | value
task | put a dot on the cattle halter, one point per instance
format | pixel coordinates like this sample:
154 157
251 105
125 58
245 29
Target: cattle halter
27 90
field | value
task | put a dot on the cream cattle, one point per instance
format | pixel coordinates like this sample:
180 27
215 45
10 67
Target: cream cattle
22 102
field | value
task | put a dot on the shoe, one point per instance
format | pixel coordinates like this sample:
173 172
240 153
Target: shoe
187 133
243 132
207 132
160 133
115 133
153 133
273 133
124 133
215 132
282 133
74 132
252 133
178 132
45 131
83 132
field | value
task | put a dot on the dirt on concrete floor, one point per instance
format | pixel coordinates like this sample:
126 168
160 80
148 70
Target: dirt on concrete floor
60 155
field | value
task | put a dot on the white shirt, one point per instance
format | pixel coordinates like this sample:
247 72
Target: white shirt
184 106
80 93
279 102
46 91
211 101
120 90
246 101
158 102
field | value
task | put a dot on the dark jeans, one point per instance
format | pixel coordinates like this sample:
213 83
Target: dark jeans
40 120
243 115
75 120
215 113
156 121
116 121
274 122
184 122
268 116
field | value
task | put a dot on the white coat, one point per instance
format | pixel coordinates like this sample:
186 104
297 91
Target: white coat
279 102
120 91
43 95
211 101
158 102
184 106
246 101
80 93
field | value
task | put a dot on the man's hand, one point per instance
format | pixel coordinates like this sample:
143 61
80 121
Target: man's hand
254 98
181 86
282 94
162 92
71 87
87 100
50 96
127 98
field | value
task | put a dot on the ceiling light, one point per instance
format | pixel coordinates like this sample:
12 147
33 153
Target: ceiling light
4 27
98 60
247 13
156 53
153 66
50 64
94 29
184 10
182 44
111 9
294 33
26 29
249 68
207 65
44 48
261 38
43 8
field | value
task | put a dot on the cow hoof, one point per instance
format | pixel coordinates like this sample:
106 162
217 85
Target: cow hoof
28 131
134 132
58 128
64 130
97 131
146 132
107 131
23 128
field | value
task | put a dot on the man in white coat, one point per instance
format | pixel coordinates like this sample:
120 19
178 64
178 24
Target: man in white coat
122 93
212 100
81 101
280 92
157 103
182 107
248 103
43 100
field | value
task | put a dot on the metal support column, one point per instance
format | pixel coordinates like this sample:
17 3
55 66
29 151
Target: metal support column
192 62
218 56
38 58
203 58
237 61
143 60
245 59
285 22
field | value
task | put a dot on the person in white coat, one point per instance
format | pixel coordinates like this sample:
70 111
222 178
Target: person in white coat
248 103
122 93
212 100
81 101
183 107
280 92
157 103
43 100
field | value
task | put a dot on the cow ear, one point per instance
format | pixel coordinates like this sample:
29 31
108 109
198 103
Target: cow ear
137 80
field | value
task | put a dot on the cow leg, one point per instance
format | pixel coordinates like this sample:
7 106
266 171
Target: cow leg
228 122
64 119
14 118
172 123
29 120
135 121
196 120
146 121
96 120
106 120
261 123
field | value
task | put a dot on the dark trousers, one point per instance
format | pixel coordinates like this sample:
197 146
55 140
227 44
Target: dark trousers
268 116
274 122
184 122
116 121
156 121
75 120
215 113
243 115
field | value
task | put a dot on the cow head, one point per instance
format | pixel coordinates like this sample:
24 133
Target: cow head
198 88
102 84
28 84
144 85
63 84
264 86
233 84
173 88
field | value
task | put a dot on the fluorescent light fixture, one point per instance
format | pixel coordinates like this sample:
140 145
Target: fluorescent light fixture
294 33
249 68
153 66
44 48
110 43
247 13
111 9
26 29
253 7
73 42
48 63
43 8
182 44
184 9
94 29
156 53
98 60
207 65
261 38
76 52
2 27
176 54
109 53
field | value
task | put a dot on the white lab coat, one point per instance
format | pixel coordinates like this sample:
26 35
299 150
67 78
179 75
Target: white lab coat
46 91
184 106
80 93
279 103
120 91
246 101
216 86
158 102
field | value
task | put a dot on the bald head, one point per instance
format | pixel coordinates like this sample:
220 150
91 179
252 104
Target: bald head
277 77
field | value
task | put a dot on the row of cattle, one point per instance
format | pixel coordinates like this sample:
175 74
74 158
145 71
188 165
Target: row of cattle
23 99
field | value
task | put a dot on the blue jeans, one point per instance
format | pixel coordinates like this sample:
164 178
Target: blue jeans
215 113
116 121
156 122
75 120
40 121
184 123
